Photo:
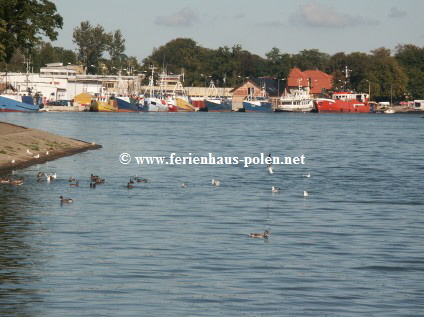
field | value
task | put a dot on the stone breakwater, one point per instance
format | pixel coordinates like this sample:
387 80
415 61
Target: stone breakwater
21 147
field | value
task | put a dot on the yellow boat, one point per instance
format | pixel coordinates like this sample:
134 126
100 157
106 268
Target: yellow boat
102 104
184 105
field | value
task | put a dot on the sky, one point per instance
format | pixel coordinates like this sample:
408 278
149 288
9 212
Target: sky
328 25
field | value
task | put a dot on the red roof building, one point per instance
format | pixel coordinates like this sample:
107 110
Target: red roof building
316 80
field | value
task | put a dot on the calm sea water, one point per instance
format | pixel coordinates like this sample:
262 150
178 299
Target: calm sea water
354 247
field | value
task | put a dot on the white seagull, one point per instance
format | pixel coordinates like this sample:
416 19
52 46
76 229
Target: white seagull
37 156
29 152
275 189
307 175
305 193
270 169
216 182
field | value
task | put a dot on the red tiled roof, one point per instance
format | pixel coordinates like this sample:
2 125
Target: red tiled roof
317 79
296 78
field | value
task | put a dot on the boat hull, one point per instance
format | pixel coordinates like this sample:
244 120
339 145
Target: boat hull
342 106
104 106
155 105
184 106
12 104
218 105
257 106
127 104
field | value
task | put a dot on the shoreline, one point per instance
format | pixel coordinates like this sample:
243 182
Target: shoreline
21 147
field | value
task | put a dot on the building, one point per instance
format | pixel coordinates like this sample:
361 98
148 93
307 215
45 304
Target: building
59 82
315 81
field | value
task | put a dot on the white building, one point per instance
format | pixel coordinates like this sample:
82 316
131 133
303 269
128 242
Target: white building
58 82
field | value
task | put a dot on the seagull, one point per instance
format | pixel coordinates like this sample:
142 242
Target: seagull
51 177
275 189
47 153
66 200
184 185
270 170
264 235
37 156
29 152
13 162
216 182
305 193
307 175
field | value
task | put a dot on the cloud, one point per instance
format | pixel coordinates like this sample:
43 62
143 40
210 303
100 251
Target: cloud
239 16
396 13
273 24
185 17
315 14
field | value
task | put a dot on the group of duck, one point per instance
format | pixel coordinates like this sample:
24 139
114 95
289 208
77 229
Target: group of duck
12 181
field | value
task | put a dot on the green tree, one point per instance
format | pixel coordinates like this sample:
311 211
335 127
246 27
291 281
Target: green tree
278 64
116 49
22 22
92 42
311 59
411 58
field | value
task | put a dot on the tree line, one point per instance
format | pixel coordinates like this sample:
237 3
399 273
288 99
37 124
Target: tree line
386 73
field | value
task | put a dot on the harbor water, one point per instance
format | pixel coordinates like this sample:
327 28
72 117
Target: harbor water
353 247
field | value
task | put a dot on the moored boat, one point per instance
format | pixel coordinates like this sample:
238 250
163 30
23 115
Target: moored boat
218 105
183 105
17 103
257 105
344 102
127 104
104 104
298 101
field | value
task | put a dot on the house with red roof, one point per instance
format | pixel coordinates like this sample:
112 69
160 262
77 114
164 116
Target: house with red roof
315 81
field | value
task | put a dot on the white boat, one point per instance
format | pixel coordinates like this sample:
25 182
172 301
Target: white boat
390 111
297 101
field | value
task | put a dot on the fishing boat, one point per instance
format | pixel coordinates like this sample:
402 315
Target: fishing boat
218 105
127 104
297 101
344 102
216 102
17 103
259 103
104 104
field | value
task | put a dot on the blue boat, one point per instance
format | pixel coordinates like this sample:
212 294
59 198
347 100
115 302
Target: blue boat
127 104
257 106
16 103
218 105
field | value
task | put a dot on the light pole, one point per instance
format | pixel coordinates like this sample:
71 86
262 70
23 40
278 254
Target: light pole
369 89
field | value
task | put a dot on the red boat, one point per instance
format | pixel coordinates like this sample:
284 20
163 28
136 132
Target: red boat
344 102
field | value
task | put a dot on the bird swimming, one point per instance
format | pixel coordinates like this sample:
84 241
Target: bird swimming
216 182
305 193
307 175
184 185
65 200
75 185
130 186
264 235
275 189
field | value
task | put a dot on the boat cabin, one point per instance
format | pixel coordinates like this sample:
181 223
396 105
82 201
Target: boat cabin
347 96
